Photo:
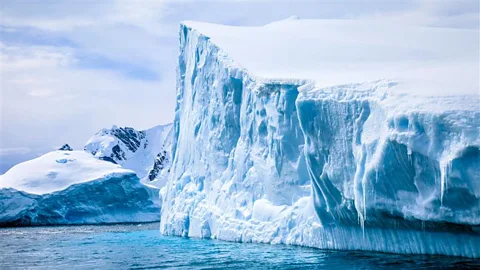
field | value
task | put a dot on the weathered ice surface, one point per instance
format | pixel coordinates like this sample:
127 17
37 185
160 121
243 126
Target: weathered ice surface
296 133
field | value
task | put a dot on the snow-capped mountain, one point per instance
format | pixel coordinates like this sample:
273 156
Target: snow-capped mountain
73 187
312 139
146 152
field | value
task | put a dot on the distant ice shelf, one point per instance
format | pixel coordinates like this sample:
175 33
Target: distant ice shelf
332 134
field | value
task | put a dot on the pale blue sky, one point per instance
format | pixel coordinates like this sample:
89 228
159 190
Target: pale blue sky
70 68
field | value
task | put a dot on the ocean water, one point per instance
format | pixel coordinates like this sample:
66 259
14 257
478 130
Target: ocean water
142 247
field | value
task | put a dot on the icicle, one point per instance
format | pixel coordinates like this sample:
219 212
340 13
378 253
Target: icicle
444 172
364 215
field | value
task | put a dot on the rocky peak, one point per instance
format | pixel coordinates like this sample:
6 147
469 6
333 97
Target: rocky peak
65 147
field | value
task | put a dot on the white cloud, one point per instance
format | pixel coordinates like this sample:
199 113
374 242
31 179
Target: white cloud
51 96
14 150
46 100
69 15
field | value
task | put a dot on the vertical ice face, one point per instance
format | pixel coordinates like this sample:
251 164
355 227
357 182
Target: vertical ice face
236 141
375 163
365 166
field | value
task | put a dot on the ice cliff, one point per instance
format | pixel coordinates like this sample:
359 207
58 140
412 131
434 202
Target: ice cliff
73 187
331 134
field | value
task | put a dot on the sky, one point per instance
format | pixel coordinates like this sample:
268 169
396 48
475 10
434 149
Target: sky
69 68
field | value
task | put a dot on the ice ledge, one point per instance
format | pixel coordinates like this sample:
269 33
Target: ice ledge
294 52
393 96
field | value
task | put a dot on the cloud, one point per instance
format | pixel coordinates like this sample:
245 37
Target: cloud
14 150
68 15
69 68
48 99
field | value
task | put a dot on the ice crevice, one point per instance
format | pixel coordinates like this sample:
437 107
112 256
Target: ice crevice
357 166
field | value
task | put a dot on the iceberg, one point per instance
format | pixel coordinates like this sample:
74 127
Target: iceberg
73 187
333 134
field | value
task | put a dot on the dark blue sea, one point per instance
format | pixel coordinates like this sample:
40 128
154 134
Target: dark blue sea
143 247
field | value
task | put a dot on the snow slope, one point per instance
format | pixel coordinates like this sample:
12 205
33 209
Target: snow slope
146 152
72 187
331 134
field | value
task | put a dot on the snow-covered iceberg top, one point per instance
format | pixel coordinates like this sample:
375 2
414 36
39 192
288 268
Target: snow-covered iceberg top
73 187
58 170
424 60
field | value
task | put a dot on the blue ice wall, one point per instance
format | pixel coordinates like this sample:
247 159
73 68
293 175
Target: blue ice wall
269 161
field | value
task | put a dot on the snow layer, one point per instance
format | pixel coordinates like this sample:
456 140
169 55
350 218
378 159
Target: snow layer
304 152
335 52
73 187
146 152
56 171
